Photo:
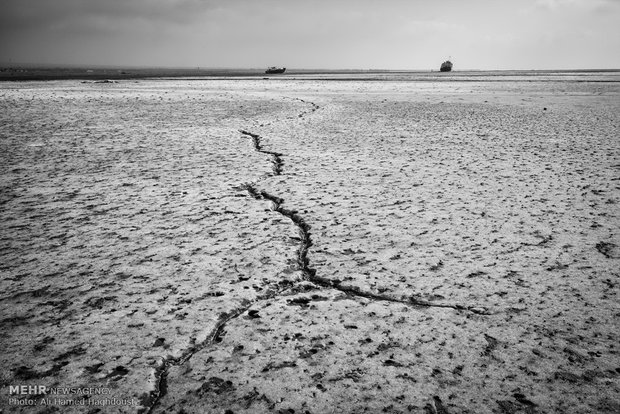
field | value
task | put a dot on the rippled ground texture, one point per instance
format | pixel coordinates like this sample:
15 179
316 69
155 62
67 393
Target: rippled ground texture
442 247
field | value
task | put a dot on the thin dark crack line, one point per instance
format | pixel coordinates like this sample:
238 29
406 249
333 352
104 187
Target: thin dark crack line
161 373
310 275
314 107
306 242
276 156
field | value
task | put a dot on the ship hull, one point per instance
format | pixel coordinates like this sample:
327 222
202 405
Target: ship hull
275 70
446 66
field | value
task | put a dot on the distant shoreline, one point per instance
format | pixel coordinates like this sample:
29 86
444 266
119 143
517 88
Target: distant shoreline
25 73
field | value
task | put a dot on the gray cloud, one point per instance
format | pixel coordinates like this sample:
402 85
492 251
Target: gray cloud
22 15
396 34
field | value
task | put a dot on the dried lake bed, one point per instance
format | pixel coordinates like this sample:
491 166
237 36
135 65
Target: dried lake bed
312 245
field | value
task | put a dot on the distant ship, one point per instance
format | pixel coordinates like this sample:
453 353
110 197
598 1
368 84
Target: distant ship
446 66
274 69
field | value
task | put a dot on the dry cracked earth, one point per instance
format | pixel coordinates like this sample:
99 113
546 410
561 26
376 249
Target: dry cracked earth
307 246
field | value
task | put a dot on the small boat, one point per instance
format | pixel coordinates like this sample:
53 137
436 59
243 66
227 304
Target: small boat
274 69
446 66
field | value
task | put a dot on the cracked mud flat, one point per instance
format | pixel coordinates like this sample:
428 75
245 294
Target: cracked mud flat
312 246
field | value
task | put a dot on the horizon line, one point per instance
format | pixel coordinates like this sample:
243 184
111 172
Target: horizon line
26 65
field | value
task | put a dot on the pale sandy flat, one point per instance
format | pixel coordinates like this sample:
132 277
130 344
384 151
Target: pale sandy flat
312 246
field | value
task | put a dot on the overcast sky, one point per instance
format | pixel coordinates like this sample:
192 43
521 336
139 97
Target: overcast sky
353 34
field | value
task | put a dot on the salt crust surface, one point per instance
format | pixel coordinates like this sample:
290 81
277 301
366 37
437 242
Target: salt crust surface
127 237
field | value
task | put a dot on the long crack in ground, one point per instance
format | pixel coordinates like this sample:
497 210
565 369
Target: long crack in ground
131 264
306 242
